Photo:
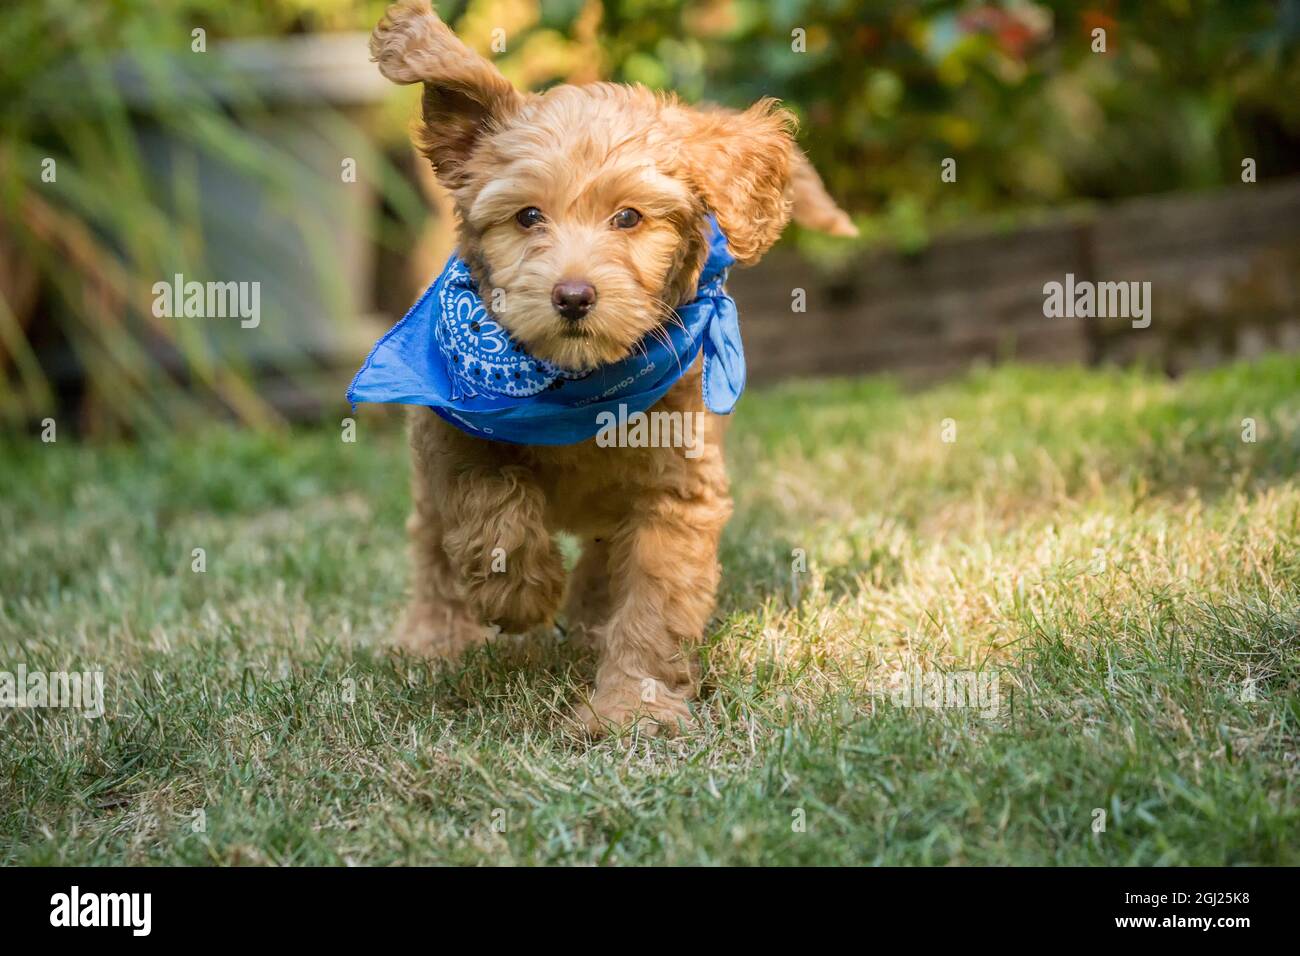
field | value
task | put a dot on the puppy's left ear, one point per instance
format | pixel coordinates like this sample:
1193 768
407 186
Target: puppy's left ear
740 163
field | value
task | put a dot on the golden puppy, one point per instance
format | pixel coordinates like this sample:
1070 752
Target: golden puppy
585 210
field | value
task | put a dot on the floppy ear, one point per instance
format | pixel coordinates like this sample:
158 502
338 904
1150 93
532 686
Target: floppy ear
464 94
740 163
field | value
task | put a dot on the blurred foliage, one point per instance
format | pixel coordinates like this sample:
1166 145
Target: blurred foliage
89 220
886 90
1013 91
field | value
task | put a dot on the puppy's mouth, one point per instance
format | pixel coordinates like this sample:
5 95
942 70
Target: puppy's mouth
580 346
581 343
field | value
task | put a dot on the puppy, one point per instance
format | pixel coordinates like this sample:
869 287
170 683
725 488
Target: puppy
586 209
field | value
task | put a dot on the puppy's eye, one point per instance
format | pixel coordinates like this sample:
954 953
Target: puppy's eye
529 217
626 218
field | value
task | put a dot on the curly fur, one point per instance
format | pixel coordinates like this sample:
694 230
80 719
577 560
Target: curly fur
649 518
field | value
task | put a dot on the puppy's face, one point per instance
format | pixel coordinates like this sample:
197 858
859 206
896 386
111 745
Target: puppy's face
583 211
579 226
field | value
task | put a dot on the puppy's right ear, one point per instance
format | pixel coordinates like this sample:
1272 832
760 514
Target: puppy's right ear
464 94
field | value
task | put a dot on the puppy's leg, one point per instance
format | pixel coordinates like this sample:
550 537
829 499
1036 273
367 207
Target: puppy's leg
664 577
482 553
587 606
508 568
437 620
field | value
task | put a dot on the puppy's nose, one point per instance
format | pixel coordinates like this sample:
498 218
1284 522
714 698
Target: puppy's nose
573 300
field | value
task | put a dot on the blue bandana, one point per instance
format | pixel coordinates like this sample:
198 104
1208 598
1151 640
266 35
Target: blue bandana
450 354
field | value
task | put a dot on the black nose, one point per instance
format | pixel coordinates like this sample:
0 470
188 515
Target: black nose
573 300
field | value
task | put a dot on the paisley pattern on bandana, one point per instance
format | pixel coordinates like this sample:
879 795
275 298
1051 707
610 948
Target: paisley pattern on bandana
482 356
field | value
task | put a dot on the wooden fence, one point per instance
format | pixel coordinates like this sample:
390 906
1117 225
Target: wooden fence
1224 270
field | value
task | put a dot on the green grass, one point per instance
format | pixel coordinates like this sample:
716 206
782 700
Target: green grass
1104 541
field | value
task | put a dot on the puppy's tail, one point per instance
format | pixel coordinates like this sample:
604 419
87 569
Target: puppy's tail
812 205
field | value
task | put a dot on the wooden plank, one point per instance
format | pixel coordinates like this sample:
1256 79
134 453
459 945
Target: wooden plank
1224 267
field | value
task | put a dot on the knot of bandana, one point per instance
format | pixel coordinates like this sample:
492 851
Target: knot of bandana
449 354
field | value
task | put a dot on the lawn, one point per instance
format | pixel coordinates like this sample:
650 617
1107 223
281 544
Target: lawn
1105 543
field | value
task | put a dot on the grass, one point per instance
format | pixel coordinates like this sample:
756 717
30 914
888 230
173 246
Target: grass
1104 541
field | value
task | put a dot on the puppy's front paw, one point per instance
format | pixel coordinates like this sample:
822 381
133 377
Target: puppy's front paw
647 708
515 585
433 634
521 589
